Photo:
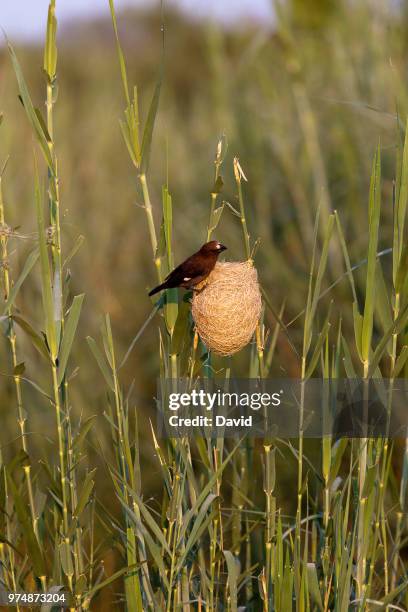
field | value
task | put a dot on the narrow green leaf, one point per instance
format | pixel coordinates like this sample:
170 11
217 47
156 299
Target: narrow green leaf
400 212
86 491
396 327
369 480
171 309
133 121
157 307
404 482
154 549
346 256
338 450
382 300
132 582
322 264
107 338
180 332
232 579
171 304
401 361
47 297
101 585
101 362
66 558
149 520
120 53
358 329
30 539
215 218
347 361
161 243
317 350
149 125
394 593
168 224
195 531
80 437
128 141
80 584
4 540
374 222
402 270
314 291
28 266
78 243
36 339
287 586
69 334
206 490
50 50
326 456
43 126
30 111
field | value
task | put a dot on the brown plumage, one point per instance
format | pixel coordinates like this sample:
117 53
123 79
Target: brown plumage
194 269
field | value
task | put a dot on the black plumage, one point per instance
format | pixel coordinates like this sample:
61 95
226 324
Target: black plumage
194 269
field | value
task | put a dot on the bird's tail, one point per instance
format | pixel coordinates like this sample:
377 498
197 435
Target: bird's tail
157 289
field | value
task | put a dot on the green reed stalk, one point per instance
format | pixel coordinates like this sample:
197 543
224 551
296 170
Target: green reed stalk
270 518
213 220
78 552
139 147
308 365
134 540
239 176
50 69
399 272
60 388
326 444
269 457
61 453
259 336
150 224
362 468
298 522
395 558
51 333
11 571
381 519
219 158
365 348
13 349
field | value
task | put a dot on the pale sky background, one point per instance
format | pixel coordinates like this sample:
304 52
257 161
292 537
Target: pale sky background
24 20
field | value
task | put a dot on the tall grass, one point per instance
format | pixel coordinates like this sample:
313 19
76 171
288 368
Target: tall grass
267 524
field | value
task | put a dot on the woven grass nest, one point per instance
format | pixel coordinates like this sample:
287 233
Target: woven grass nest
227 306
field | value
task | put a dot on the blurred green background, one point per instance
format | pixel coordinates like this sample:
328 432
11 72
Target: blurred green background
303 104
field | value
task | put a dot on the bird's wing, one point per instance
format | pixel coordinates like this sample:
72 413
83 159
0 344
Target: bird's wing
190 268
193 266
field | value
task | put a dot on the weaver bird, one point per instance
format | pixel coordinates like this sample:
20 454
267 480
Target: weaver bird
194 269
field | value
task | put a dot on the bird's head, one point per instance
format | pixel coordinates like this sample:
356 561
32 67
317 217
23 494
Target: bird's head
213 247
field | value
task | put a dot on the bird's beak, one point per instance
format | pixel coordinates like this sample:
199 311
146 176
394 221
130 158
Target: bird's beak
222 248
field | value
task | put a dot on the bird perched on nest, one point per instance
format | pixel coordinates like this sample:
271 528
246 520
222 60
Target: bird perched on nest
193 270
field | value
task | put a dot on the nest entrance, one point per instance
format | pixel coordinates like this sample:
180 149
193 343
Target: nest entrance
227 307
